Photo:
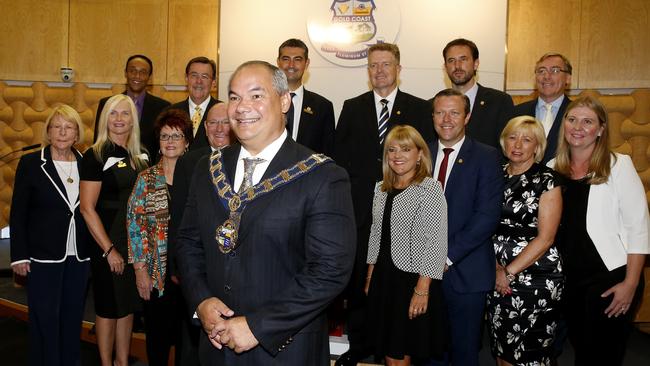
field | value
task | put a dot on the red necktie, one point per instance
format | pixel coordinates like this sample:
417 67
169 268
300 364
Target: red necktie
442 173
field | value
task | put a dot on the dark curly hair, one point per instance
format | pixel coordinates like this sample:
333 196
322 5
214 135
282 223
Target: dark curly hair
175 118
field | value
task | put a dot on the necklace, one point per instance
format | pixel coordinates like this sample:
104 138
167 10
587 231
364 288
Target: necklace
69 173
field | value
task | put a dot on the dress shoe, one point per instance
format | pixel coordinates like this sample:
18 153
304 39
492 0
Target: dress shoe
348 358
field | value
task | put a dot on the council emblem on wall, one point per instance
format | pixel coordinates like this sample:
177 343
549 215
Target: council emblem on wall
343 31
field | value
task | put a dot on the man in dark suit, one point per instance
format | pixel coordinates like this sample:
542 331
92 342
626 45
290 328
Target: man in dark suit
490 109
200 77
552 78
310 119
358 148
217 127
471 176
260 278
137 72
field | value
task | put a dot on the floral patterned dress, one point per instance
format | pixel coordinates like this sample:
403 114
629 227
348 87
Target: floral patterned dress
522 325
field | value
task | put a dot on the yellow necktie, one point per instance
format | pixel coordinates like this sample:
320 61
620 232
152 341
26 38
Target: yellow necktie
196 119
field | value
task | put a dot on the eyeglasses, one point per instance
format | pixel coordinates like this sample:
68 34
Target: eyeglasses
214 122
553 71
173 137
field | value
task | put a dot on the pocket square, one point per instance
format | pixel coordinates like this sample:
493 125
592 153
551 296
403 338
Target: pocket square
110 162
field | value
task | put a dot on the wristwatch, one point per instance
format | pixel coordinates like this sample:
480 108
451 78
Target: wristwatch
509 276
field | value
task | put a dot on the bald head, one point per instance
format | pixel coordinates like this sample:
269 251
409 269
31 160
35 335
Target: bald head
217 126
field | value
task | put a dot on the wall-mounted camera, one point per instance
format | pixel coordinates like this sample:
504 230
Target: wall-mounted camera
67 74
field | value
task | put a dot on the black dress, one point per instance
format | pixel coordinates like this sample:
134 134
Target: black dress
115 295
522 325
596 338
390 332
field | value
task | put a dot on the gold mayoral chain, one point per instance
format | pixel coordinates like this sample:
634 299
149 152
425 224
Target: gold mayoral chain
226 234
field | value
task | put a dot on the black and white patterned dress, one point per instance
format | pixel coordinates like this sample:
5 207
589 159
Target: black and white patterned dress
522 325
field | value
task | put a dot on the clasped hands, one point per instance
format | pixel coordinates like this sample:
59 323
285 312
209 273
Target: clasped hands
222 328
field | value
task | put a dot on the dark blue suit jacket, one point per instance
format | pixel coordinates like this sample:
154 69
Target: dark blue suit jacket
474 193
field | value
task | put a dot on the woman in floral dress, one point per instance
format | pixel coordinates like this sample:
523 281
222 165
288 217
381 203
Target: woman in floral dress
523 309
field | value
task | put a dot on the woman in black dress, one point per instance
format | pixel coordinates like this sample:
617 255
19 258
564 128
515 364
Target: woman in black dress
108 172
406 254
603 237
523 310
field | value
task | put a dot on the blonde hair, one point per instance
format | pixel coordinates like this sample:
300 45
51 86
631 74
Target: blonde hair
600 164
133 141
67 113
405 136
525 124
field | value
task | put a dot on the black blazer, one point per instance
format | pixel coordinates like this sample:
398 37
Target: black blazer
357 147
201 139
295 254
150 110
41 213
183 171
528 109
492 110
316 127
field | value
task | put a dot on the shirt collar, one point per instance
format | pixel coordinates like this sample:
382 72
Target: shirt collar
269 152
390 98
203 105
556 103
471 94
299 92
456 146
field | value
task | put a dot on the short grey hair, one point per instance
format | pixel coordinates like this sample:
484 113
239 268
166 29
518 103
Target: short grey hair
278 78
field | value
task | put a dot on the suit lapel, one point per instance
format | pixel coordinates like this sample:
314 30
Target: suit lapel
459 165
306 119
285 158
396 111
479 104
49 169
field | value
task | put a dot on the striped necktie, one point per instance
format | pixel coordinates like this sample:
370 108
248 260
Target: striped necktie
383 121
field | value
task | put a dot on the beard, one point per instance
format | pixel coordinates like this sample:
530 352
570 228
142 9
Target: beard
463 79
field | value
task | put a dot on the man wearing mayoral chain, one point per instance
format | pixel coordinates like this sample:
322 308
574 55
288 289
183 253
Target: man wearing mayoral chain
267 239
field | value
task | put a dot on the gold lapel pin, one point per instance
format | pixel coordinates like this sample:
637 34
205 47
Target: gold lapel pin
482 102
398 112
308 110
460 161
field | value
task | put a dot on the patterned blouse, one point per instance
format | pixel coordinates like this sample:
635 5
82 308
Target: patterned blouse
147 220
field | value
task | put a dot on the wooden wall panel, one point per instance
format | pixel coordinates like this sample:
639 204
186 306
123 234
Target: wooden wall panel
104 33
39 52
614 51
535 28
193 31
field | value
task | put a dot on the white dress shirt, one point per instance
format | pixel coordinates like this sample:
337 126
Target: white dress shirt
268 153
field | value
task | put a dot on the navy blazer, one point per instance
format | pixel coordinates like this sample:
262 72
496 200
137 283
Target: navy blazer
150 110
316 126
474 191
200 139
295 254
528 109
41 213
